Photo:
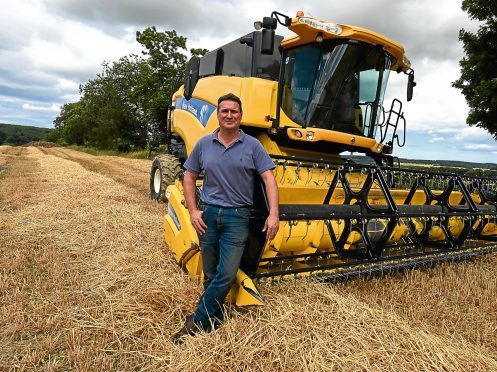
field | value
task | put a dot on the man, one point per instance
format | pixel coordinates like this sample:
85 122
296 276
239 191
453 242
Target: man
229 159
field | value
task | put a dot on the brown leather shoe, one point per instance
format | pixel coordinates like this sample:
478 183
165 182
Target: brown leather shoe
189 328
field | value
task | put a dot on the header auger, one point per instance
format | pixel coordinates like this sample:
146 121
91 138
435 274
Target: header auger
307 99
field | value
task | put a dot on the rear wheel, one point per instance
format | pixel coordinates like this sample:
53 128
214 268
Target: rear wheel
165 169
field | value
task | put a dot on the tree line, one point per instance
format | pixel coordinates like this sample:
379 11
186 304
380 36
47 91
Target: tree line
128 100
16 135
463 171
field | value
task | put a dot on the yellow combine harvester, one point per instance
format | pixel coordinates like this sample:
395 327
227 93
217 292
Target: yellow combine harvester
308 98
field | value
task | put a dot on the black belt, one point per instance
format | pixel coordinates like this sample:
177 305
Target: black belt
221 206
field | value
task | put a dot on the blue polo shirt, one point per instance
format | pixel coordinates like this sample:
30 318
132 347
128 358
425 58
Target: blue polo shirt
228 171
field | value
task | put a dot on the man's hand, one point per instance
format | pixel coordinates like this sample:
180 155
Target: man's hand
197 221
189 192
272 223
271 227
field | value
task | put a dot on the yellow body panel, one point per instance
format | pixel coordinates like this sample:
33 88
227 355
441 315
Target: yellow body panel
316 134
244 291
179 233
307 34
258 98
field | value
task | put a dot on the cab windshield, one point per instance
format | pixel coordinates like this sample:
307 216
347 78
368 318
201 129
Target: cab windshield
336 86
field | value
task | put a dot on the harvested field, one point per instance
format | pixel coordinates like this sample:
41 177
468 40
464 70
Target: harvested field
86 283
41 144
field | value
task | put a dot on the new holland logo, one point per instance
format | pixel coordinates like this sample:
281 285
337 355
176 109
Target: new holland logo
203 111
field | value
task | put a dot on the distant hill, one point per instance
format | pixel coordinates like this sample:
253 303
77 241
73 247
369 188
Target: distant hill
452 163
448 166
16 135
429 163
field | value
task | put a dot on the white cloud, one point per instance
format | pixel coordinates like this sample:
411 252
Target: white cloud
471 134
10 99
29 106
436 139
49 47
65 84
45 57
79 51
479 147
66 98
436 106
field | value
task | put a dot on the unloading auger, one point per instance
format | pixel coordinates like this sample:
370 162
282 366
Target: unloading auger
307 99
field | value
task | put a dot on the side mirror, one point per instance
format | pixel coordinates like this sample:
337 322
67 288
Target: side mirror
268 26
410 85
269 23
267 42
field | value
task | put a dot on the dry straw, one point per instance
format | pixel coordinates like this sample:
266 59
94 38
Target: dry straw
86 283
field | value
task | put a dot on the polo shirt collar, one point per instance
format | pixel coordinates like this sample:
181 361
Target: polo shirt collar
213 136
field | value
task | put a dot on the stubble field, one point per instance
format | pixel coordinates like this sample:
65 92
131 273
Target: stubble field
87 283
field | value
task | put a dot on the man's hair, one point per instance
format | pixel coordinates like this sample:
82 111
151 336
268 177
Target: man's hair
229 97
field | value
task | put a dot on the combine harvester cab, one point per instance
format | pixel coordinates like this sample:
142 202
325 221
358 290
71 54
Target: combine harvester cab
307 99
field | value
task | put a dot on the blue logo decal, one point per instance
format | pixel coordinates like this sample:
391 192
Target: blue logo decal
200 109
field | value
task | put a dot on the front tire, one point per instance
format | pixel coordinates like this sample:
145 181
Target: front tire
164 171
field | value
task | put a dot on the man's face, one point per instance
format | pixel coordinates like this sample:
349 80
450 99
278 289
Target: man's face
229 115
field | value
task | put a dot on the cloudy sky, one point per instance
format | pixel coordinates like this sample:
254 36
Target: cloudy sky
49 47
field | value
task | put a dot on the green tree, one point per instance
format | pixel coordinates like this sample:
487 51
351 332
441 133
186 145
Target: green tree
165 55
113 105
199 52
478 81
71 125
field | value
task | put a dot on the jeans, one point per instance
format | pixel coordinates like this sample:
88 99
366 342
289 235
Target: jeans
222 247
